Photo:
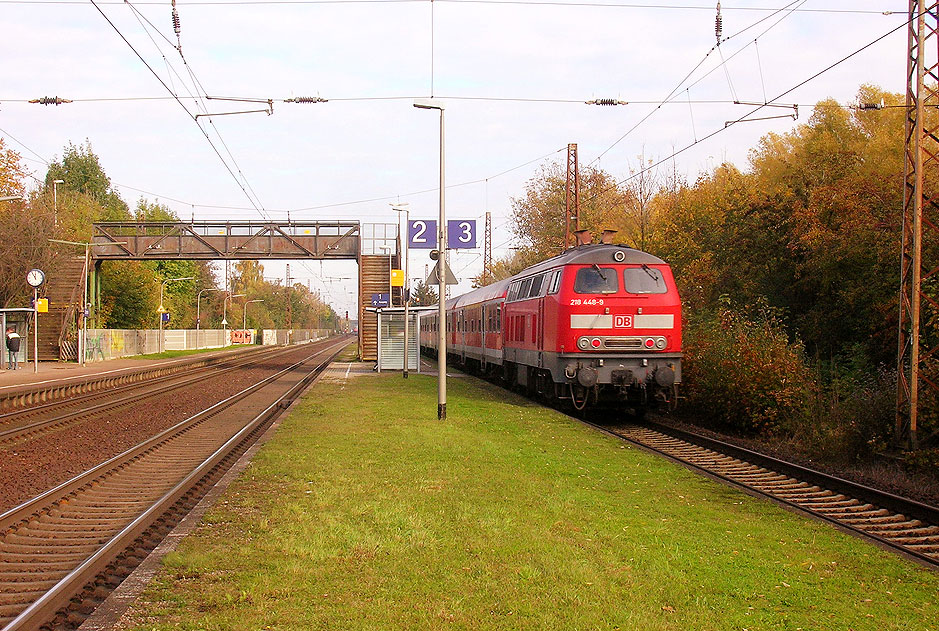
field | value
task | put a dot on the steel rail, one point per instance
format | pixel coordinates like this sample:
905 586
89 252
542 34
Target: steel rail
44 608
845 504
22 396
187 369
145 390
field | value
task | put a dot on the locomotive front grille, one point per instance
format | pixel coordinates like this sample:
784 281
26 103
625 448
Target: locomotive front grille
622 342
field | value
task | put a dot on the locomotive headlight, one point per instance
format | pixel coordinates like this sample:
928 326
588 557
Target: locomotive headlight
649 342
583 343
660 343
595 342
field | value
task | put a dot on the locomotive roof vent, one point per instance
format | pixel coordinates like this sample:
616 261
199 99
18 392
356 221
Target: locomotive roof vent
607 236
583 237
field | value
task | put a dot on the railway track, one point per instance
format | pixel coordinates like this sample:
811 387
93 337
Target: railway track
900 524
62 552
32 422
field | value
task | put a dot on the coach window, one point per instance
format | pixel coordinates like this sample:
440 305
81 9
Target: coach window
596 280
644 280
513 292
555 284
499 319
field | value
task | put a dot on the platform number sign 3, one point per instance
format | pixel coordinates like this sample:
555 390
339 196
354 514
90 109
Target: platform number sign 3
461 234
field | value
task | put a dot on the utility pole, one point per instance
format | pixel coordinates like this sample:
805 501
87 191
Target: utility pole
487 250
919 210
289 314
572 195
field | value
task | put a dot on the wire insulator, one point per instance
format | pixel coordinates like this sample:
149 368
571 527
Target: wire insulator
176 21
718 24
606 102
306 99
50 100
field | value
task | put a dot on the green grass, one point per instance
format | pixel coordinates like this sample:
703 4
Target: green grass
365 512
193 351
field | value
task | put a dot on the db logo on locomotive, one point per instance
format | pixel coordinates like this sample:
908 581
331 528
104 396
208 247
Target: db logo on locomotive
623 322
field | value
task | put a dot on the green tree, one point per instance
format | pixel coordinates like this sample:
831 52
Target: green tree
131 295
423 295
81 172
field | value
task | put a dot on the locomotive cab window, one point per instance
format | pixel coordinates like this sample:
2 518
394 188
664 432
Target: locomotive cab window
536 286
644 280
596 280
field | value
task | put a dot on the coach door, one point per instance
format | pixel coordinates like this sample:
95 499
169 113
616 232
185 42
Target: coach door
462 328
540 334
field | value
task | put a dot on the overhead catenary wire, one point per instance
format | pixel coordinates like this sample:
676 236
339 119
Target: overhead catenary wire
677 88
254 204
538 3
746 116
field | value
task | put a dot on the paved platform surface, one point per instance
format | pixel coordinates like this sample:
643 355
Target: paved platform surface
26 375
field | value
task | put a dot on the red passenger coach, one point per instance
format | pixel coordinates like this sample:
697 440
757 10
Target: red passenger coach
597 325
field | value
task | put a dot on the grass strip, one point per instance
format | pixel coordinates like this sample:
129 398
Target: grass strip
365 512
191 351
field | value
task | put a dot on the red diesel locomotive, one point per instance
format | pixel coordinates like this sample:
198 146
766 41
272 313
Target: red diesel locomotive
598 325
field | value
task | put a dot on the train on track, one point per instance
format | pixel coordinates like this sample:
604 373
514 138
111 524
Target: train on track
599 325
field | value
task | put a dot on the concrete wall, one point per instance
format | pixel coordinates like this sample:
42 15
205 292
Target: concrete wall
106 344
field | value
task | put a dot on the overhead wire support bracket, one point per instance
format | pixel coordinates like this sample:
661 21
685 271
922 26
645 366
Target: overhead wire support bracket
269 110
794 116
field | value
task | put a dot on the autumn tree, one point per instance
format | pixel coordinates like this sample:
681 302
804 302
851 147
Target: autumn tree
25 229
538 217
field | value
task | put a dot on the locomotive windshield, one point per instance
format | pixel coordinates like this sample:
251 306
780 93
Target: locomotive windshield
596 280
644 280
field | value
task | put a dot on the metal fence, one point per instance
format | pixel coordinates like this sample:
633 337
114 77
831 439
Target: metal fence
104 344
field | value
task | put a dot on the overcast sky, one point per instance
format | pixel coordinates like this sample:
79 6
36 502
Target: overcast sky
513 77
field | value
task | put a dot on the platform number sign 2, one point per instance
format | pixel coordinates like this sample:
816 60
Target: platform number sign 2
422 234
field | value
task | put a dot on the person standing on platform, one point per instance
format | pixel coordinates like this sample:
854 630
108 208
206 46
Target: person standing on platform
13 347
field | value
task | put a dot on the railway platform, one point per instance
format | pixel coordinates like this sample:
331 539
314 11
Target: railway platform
66 377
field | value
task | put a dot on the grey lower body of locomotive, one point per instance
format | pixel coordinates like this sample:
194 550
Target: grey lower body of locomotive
588 370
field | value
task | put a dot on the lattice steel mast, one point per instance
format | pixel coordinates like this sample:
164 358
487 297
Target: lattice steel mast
487 250
572 195
920 215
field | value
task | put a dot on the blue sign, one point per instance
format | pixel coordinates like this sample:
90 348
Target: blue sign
381 300
165 317
422 234
461 234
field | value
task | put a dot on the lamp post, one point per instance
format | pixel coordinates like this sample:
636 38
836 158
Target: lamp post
161 310
225 302
55 201
244 324
407 294
199 313
426 104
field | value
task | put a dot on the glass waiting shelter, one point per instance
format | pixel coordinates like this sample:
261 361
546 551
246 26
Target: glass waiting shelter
391 338
20 319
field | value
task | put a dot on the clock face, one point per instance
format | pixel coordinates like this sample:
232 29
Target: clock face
35 277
